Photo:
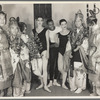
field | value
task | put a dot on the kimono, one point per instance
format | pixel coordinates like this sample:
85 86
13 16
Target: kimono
34 56
6 70
15 48
94 62
25 62
79 61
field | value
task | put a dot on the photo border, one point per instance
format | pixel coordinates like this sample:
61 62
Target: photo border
50 1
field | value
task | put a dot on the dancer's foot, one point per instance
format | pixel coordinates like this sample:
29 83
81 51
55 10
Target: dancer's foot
64 86
73 89
56 84
79 90
27 92
50 84
47 89
39 87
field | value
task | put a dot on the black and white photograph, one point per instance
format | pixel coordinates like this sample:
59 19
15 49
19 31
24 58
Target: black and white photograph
50 49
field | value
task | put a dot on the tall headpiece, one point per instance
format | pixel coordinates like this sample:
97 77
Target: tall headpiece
92 18
79 15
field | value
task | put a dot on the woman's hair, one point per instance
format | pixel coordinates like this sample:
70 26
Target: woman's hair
22 25
13 22
81 16
12 19
5 15
62 20
39 17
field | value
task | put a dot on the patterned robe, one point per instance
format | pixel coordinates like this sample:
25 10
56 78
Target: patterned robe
5 61
77 40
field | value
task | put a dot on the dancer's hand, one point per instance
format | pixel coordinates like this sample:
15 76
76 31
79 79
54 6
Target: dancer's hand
76 48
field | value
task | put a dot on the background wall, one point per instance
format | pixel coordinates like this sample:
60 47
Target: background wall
59 11
24 11
67 11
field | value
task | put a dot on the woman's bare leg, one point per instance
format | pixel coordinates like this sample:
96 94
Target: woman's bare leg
60 68
41 85
45 62
40 65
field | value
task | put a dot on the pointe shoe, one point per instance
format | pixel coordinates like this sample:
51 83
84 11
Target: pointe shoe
65 87
39 87
56 84
47 89
50 84
79 90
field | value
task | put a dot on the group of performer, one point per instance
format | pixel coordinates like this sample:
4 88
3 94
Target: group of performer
72 52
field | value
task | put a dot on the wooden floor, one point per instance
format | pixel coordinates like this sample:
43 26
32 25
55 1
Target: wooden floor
56 91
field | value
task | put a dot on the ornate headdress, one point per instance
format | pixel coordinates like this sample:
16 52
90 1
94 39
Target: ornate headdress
92 18
13 21
79 14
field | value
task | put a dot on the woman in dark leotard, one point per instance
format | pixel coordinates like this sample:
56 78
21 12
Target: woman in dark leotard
42 39
64 51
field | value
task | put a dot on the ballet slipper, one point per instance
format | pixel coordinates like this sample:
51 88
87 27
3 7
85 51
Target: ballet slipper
56 84
73 89
79 90
39 87
27 92
47 89
64 86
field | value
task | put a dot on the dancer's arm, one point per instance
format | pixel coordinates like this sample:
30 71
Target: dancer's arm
47 40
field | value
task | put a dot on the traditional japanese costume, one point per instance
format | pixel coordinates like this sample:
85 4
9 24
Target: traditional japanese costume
15 48
6 70
95 59
34 54
25 62
79 61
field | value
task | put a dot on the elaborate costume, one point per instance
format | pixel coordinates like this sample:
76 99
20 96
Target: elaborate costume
6 71
35 57
79 60
15 48
94 57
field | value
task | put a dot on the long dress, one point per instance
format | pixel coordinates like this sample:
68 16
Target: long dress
95 60
15 48
6 70
26 65
79 61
